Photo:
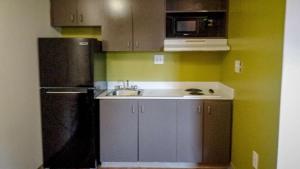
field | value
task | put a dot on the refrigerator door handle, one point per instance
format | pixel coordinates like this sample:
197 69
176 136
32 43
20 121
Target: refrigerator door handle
65 92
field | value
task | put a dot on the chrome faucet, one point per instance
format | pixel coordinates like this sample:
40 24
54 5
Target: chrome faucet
126 85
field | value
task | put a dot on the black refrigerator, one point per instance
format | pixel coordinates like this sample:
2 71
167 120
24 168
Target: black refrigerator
68 110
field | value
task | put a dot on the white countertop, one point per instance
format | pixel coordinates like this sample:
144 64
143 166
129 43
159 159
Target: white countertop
176 90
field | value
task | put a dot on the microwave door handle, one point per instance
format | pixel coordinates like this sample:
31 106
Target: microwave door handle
201 41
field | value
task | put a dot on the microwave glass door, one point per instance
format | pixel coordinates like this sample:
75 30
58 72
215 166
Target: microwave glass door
186 26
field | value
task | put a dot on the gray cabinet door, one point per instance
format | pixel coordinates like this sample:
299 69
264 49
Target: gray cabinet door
157 131
148 24
118 131
117 25
63 12
217 132
89 12
189 130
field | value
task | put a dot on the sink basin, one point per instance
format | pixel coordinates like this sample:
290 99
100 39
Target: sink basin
125 92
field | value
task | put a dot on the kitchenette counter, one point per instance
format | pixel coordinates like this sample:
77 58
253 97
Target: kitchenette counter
176 90
168 122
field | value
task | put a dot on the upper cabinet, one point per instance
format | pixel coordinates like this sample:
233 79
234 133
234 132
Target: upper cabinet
196 5
117 25
133 25
66 13
148 25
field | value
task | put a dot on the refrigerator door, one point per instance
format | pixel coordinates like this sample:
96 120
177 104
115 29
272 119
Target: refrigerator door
67 62
68 128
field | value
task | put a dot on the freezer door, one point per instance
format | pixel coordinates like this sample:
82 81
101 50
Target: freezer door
67 62
68 129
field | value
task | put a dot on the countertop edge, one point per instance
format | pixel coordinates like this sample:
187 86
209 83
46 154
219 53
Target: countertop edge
159 98
225 92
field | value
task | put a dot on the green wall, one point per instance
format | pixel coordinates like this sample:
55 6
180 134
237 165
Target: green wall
81 32
139 66
177 66
256 38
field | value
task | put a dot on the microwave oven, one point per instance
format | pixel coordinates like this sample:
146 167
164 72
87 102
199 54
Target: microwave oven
191 25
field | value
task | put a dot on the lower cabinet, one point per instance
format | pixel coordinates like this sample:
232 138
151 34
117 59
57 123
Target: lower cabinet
118 131
157 131
189 130
132 130
217 132
204 131
196 131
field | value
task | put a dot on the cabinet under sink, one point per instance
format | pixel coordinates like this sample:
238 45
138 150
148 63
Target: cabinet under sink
155 130
138 130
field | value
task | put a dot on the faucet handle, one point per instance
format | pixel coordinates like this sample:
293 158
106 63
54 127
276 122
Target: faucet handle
127 84
135 87
118 87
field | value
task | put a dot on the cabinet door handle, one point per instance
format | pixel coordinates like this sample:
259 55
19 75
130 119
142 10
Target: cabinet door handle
142 109
72 18
81 18
201 41
128 44
132 109
209 110
137 44
199 109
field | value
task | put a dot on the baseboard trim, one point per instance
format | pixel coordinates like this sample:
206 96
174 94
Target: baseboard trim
232 166
40 167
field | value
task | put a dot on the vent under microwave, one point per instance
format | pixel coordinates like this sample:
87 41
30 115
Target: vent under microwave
196 45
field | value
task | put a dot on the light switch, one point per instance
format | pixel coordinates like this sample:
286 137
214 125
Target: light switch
158 59
237 66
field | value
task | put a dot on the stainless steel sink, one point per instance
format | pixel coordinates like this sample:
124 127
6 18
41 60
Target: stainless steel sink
125 92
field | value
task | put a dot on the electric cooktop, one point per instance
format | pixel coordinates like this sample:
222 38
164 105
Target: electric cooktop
199 92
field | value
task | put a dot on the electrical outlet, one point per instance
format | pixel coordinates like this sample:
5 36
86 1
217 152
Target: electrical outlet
255 159
237 66
158 59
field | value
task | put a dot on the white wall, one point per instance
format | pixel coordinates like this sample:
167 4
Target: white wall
21 22
289 132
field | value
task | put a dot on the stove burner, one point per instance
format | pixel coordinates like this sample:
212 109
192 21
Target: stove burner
193 90
196 93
